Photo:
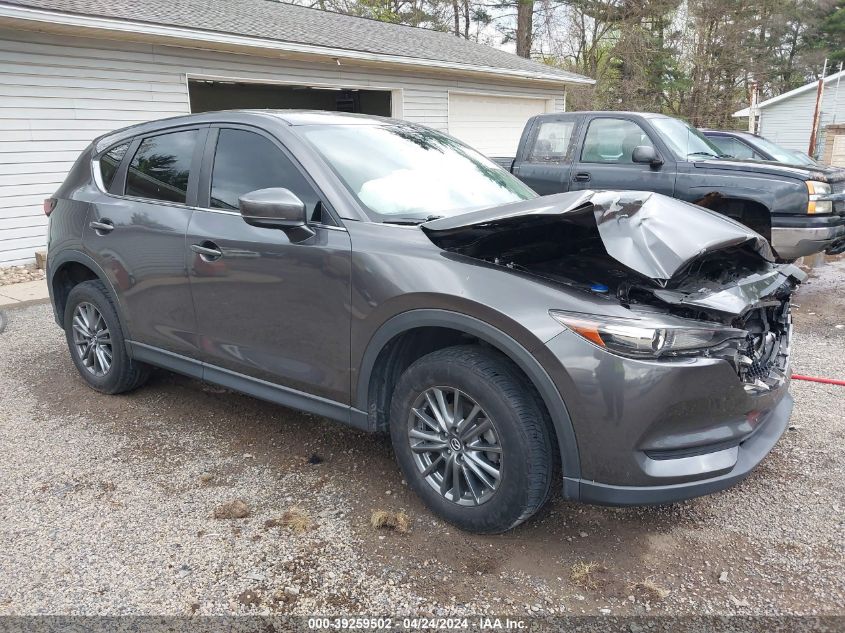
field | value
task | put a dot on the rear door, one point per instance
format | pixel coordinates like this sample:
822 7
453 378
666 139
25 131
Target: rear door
545 162
267 307
605 159
137 233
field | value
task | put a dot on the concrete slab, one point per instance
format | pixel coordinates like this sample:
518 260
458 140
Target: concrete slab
27 292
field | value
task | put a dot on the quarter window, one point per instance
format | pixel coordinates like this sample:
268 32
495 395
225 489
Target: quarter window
552 141
612 141
161 167
109 162
246 161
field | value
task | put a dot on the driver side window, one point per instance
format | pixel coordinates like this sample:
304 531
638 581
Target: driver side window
245 161
612 141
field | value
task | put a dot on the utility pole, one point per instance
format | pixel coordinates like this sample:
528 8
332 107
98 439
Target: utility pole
752 108
819 96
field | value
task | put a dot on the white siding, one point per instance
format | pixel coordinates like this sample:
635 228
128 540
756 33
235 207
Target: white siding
57 94
789 122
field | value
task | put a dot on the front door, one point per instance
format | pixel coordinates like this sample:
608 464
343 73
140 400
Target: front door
137 234
268 306
605 161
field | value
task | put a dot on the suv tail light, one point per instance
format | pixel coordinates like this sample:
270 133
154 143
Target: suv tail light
49 205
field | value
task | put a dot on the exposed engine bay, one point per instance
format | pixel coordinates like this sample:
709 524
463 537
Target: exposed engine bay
651 255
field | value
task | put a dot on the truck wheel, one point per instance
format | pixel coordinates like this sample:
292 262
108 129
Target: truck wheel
470 437
95 338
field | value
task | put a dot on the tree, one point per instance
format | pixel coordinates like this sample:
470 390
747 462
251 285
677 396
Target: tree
524 27
832 31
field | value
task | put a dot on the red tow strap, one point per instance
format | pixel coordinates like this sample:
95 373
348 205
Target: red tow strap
827 381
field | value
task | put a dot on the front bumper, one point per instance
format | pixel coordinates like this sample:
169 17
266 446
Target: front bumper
655 431
797 236
736 463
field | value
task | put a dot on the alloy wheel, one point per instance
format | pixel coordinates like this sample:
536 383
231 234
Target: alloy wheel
92 339
455 446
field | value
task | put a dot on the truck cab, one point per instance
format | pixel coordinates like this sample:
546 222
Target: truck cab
800 210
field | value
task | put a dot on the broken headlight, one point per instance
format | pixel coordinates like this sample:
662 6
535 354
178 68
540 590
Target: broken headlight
641 339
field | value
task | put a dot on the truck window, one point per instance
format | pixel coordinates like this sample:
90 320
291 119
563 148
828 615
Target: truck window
552 141
612 141
734 147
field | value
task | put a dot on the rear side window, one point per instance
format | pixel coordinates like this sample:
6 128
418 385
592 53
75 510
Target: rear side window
161 167
246 161
109 162
552 141
612 141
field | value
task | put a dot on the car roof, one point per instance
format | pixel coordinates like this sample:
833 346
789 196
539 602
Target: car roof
283 117
645 115
739 133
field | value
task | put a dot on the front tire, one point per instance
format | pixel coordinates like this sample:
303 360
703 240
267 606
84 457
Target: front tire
470 435
95 339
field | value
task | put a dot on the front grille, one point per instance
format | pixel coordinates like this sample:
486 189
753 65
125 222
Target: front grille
838 187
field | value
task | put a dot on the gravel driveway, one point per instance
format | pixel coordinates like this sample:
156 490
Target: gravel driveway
108 506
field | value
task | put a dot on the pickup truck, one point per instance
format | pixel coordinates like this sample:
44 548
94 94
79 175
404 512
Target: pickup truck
800 210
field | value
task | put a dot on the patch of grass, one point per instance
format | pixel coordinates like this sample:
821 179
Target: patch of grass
648 589
296 519
585 574
396 521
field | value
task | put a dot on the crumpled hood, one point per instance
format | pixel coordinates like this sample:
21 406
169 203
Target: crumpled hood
650 233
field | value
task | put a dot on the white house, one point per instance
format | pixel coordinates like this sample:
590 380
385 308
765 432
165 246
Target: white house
788 118
71 70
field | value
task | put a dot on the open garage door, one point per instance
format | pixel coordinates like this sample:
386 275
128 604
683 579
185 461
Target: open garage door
492 125
208 95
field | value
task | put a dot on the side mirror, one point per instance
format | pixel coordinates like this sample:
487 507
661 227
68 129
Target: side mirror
276 208
646 154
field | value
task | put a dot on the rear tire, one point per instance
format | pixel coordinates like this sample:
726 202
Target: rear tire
497 488
96 343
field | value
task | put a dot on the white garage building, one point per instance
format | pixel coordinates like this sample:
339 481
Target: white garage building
71 70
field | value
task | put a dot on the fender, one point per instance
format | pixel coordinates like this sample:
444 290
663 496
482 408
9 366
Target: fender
555 405
66 256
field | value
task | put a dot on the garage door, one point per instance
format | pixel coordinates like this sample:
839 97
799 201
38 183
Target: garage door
491 125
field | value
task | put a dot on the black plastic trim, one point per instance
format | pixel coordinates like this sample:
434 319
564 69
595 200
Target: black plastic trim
262 389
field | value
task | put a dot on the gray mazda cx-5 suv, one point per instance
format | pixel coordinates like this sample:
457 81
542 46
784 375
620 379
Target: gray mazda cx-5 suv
387 276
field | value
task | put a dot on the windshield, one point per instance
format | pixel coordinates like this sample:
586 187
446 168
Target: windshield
408 173
781 154
684 140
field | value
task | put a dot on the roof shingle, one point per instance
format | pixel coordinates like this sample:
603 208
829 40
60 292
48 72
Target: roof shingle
293 24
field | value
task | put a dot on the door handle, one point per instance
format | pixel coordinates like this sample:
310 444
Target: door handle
102 227
582 176
208 251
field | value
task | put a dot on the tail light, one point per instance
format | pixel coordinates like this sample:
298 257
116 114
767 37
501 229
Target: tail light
49 205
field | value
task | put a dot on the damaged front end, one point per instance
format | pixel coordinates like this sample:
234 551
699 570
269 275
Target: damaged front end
690 282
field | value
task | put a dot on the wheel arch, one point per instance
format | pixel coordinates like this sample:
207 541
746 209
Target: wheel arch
375 371
754 214
67 270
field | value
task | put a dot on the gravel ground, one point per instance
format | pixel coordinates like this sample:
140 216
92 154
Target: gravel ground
108 507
